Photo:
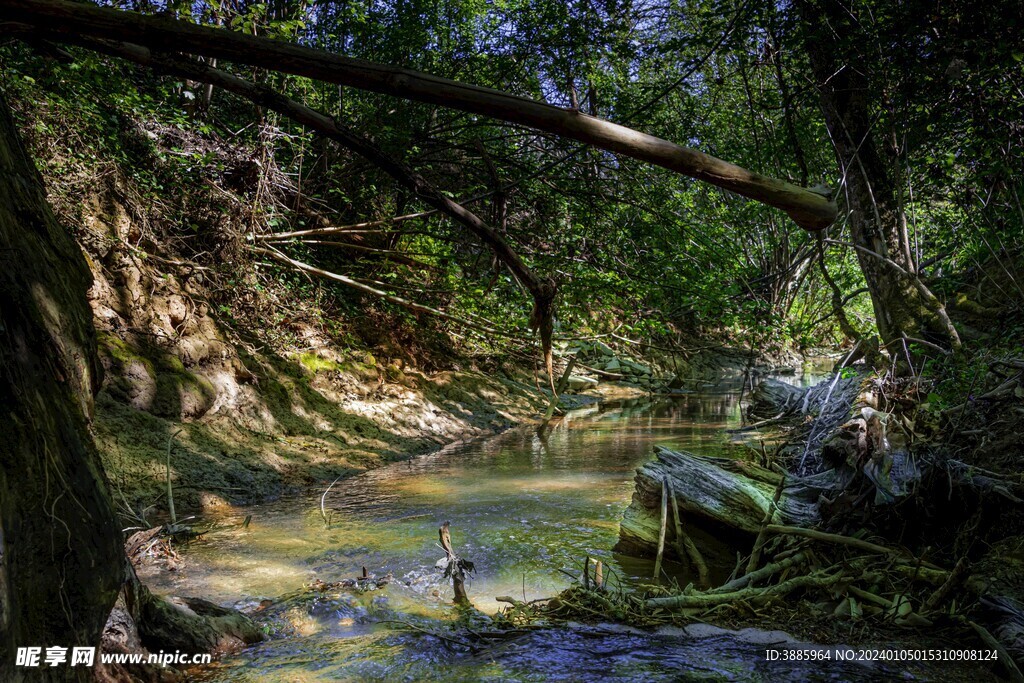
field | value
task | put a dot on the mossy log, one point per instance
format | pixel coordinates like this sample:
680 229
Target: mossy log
725 500
753 596
723 497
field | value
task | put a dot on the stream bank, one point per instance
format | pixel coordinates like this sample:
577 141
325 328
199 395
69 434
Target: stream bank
244 402
242 409
526 511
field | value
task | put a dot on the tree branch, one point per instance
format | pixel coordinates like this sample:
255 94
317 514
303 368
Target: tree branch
543 290
366 289
61 20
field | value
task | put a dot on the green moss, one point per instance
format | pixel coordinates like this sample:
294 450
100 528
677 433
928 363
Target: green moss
238 456
133 445
119 350
315 363
178 392
171 363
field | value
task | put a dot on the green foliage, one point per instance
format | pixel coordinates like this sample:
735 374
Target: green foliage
634 248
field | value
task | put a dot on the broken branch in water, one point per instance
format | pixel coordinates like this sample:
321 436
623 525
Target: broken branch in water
560 388
440 636
454 566
323 512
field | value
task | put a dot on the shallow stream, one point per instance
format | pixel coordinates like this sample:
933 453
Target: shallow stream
525 510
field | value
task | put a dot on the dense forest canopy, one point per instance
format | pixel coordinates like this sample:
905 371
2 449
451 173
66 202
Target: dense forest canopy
901 113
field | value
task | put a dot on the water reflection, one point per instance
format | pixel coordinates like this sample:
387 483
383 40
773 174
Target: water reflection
519 505
523 508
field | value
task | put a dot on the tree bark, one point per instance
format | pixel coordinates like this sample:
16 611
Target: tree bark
60 20
61 559
903 305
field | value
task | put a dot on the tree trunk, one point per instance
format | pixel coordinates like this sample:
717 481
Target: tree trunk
723 503
64 21
61 560
904 308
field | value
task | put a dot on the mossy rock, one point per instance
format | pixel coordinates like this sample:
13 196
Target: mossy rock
194 625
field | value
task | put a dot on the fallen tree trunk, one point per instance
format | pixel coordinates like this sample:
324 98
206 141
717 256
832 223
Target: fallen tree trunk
729 499
722 496
59 20
775 398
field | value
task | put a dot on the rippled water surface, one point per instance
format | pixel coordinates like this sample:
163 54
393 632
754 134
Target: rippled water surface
525 509
522 508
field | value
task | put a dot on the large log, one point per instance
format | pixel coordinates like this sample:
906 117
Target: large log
723 498
726 500
776 398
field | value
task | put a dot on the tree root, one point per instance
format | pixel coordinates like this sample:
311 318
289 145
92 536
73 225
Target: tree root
755 596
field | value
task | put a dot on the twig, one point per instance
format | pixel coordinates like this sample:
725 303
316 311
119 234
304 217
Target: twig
943 591
661 532
561 387
454 641
602 373
754 595
323 512
755 554
686 543
170 490
833 538
1004 655
750 579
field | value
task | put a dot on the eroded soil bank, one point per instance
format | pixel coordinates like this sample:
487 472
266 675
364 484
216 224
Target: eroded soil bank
240 420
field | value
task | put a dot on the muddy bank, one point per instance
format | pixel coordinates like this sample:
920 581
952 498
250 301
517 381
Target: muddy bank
243 409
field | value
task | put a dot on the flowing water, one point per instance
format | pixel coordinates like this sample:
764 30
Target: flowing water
525 510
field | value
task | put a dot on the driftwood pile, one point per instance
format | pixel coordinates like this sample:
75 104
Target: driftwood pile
753 536
841 580
725 500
